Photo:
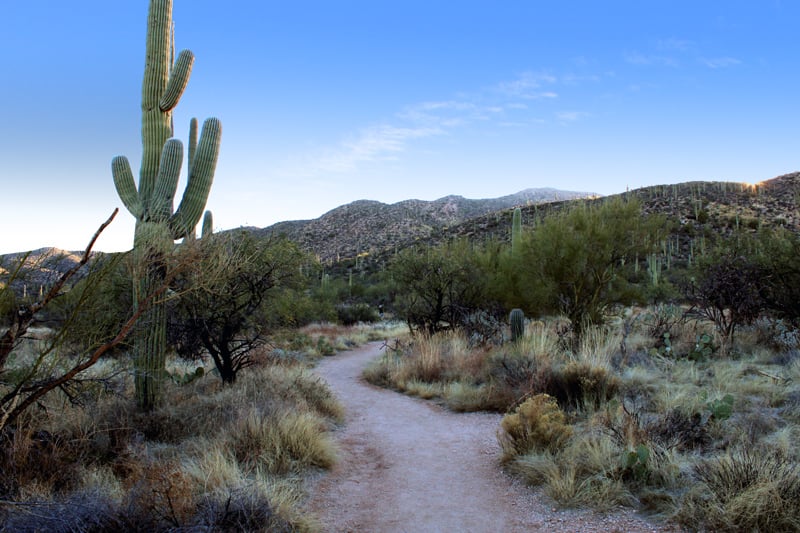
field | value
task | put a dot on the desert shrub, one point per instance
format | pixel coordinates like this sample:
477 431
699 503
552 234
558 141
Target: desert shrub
377 373
777 334
781 249
224 309
30 456
727 289
438 288
579 262
304 388
581 384
243 509
349 314
744 491
582 473
86 511
282 442
679 430
466 397
661 321
514 376
538 424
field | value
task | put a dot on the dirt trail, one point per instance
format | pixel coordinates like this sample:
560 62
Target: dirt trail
407 465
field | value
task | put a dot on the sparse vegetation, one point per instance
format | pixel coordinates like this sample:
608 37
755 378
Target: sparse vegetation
619 388
638 426
212 457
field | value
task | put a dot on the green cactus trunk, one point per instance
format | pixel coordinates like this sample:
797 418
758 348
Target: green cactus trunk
150 248
517 321
157 227
516 231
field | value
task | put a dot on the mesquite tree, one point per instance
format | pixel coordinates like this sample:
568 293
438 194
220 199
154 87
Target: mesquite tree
157 226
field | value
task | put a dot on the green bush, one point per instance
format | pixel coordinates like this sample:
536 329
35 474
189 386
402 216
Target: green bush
350 314
579 262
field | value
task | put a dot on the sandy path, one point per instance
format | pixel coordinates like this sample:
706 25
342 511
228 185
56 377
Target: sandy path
409 466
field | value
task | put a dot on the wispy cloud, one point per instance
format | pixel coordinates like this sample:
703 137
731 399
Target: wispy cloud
380 143
503 105
571 116
446 114
674 44
719 62
529 86
637 58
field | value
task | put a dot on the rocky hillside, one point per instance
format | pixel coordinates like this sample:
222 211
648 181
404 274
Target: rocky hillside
696 207
41 268
375 230
370 227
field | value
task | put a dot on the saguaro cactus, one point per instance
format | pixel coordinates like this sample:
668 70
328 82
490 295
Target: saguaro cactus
516 230
157 226
517 321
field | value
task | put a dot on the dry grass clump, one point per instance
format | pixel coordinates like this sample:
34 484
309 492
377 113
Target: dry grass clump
428 359
744 491
582 384
212 458
282 442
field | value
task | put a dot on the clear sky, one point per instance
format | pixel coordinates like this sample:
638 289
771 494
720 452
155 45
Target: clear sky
325 102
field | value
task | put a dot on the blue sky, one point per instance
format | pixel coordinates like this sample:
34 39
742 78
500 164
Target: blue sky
326 102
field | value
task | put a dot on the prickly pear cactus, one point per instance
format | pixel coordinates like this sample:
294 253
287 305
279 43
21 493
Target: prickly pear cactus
151 202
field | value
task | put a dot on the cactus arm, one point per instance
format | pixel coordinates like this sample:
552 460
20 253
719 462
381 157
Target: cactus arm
178 79
126 187
192 142
156 125
208 225
167 181
196 194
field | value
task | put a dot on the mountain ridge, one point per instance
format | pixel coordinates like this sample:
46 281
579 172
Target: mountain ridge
369 226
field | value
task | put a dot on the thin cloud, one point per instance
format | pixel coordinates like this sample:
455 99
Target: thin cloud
529 86
720 62
448 114
571 116
637 58
380 143
505 105
674 44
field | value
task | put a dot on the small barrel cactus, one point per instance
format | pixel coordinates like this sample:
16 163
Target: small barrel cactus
517 320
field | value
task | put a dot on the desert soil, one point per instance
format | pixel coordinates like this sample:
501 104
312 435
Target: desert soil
408 465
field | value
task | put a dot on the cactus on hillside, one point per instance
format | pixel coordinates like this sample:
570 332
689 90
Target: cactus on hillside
151 203
516 230
517 321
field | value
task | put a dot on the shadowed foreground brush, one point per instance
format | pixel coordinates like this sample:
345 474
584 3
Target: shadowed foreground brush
744 491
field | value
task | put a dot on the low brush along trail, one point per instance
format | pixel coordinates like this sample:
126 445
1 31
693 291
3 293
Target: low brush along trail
408 465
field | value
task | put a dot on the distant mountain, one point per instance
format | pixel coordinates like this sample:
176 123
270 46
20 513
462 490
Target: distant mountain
367 226
377 229
41 268
698 207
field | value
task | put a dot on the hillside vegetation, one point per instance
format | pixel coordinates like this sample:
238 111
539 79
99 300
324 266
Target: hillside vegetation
653 361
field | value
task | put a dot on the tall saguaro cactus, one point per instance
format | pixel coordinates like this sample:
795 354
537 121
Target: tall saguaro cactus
516 230
151 203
